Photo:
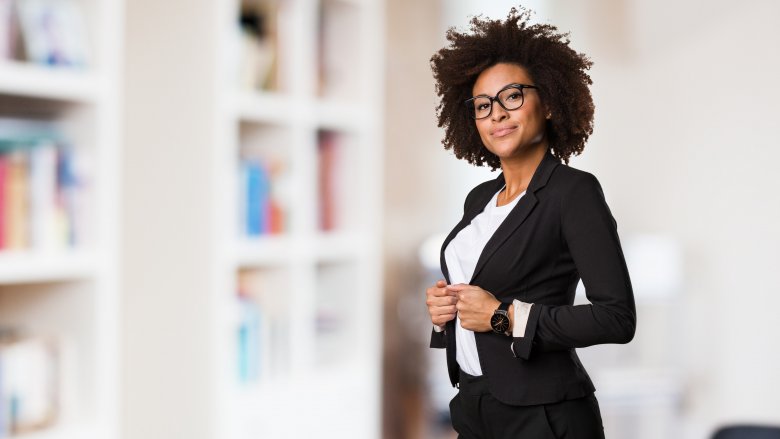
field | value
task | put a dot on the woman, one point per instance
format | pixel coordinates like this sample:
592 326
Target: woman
516 96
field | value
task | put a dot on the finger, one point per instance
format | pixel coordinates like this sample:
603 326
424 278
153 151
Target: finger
441 320
441 283
439 292
441 301
456 287
443 310
436 291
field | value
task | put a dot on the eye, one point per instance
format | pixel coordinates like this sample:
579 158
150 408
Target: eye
514 96
482 106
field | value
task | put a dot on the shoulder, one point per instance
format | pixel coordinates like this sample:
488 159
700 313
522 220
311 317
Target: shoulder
579 195
568 180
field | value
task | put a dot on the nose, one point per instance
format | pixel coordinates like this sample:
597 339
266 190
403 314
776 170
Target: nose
498 112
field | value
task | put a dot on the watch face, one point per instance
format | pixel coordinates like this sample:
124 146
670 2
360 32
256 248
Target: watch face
499 323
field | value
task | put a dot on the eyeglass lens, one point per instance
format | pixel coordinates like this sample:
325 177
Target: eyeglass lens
510 98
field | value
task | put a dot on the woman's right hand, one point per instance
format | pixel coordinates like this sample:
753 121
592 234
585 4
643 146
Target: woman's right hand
441 303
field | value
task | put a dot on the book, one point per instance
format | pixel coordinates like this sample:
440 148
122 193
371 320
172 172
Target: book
16 201
53 32
329 162
256 196
337 50
3 208
263 330
262 188
44 188
29 384
258 44
42 196
249 338
8 30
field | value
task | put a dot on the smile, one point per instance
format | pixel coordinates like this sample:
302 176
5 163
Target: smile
501 132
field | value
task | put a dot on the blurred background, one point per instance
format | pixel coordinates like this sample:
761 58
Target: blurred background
218 218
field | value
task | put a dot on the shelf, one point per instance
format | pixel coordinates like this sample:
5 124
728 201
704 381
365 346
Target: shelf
30 80
263 250
277 250
263 107
35 267
338 115
337 246
315 284
276 108
63 432
279 401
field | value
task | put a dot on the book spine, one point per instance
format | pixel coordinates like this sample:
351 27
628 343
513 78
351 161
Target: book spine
17 200
4 411
43 188
252 200
3 200
68 195
249 346
327 157
29 385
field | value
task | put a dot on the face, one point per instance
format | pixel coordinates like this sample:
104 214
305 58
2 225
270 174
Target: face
515 133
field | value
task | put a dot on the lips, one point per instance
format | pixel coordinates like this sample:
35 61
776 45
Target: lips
503 131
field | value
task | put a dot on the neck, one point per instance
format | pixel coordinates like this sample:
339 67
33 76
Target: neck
518 170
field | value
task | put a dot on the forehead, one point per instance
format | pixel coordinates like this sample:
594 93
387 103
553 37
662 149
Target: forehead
496 77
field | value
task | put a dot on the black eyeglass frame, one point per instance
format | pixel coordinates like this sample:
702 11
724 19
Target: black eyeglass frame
469 102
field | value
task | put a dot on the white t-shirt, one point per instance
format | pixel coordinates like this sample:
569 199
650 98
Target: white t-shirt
461 257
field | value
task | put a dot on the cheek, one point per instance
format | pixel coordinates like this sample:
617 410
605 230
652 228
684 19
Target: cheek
483 129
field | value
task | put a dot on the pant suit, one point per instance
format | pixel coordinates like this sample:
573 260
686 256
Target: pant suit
559 232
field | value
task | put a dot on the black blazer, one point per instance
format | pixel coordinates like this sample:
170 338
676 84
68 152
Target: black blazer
559 230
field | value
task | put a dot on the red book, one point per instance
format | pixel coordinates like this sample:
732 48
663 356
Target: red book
327 159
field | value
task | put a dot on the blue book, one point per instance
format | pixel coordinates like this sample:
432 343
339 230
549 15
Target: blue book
68 188
248 340
252 202
257 198
263 201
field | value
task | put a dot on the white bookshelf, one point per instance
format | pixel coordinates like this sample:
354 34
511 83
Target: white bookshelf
71 294
35 81
321 357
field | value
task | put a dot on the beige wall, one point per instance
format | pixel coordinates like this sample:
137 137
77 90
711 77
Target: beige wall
414 180
685 145
167 254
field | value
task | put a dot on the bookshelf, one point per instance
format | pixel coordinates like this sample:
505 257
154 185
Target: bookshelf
58 260
308 317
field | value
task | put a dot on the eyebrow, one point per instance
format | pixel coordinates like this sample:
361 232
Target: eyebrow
500 89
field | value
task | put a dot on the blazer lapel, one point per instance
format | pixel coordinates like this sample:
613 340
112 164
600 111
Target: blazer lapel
476 207
519 213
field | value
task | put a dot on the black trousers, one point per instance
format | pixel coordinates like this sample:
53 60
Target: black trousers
476 414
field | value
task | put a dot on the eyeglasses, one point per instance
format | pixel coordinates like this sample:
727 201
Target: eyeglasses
510 98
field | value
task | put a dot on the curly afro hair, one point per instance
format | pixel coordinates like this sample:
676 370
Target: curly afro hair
558 71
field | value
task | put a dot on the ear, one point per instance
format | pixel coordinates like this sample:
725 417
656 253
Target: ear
547 112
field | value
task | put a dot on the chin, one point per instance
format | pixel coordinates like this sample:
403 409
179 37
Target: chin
505 150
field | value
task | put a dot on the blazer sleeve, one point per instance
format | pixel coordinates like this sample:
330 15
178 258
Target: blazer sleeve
438 340
590 232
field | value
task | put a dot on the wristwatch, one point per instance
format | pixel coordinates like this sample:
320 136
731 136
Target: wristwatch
500 319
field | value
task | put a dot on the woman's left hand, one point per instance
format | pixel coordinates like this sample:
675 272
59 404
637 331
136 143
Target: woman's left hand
475 307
